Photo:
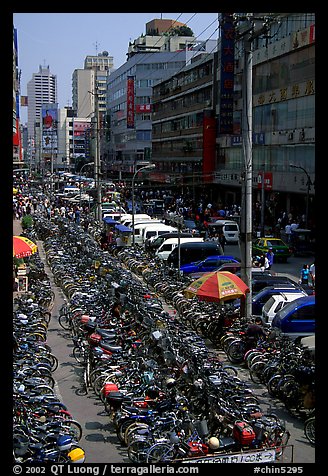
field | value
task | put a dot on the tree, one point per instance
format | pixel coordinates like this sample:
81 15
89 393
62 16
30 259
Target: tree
181 31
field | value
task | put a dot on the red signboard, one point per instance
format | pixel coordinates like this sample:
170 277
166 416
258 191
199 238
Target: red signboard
130 102
267 180
140 108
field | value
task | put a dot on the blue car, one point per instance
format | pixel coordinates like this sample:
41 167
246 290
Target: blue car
211 263
297 318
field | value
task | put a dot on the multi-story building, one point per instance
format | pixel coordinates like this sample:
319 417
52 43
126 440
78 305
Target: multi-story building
90 81
283 146
17 146
183 125
151 58
41 89
283 149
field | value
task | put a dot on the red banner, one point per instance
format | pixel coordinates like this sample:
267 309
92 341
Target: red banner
130 102
209 145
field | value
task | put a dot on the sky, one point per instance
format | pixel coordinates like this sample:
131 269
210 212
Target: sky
63 40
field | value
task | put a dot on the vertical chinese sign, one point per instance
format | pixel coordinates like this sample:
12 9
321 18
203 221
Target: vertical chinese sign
227 74
130 102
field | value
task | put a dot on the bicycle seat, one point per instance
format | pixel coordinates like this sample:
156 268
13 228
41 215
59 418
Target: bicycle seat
109 346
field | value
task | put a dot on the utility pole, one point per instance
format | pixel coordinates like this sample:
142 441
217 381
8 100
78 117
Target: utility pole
251 28
247 149
97 153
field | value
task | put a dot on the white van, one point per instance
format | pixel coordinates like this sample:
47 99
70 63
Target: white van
229 228
139 228
70 190
168 245
155 230
137 217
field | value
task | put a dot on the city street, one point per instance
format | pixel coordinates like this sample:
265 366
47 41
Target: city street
292 268
99 439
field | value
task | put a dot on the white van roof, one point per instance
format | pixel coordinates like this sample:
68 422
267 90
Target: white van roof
145 222
182 240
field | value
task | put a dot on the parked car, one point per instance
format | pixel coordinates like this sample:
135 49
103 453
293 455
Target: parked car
262 279
280 249
153 243
169 245
260 298
277 301
302 242
211 263
229 228
297 318
236 267
193 251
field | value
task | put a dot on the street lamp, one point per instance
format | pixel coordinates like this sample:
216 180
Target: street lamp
308 188
89 163
149 166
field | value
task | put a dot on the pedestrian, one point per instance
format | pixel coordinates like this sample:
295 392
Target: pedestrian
270 256
116 310
305 274
255 330
222 240
312 273
119 242
264 262
288 232
77 215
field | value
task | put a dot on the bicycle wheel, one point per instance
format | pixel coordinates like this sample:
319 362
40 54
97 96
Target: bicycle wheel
272 385
64 321
138 450
309 429
256 371
236 351
230 370
132 431
160 453
79 354
75 428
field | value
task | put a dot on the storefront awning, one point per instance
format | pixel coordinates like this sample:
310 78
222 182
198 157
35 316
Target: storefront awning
123 228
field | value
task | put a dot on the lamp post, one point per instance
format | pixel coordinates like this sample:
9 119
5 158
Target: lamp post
84 165
308 187
149 166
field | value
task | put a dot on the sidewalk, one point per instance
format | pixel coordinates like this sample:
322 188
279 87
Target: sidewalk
17 227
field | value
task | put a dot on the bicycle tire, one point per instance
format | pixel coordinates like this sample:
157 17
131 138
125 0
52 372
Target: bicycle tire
160 453
230 370
64 321
309 429
256 371
138 450
79 354
236 351
75 427
132 430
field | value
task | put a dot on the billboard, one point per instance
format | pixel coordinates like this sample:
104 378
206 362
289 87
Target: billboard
49 119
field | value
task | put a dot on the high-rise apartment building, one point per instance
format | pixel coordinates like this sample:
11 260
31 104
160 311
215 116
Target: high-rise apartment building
87 81
41 89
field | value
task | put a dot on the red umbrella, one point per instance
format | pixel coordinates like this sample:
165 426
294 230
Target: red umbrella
217 286
23 247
